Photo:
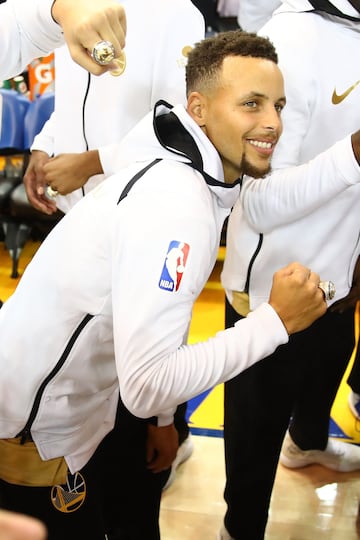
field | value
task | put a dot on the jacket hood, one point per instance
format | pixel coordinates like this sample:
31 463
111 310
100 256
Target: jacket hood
170 133
339 8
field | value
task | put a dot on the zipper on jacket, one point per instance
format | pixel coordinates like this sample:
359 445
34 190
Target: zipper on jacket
251 263
25 433
135 178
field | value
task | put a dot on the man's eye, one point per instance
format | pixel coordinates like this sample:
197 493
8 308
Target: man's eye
251 104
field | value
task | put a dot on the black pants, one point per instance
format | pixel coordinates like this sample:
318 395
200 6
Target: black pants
298 382
122 496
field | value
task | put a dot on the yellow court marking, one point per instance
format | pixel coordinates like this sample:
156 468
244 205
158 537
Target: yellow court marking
210 413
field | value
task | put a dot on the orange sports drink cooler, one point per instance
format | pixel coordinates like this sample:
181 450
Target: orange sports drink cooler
41 76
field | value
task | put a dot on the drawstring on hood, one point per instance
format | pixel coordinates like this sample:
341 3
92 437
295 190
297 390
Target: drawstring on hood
168 132
178 133
172 134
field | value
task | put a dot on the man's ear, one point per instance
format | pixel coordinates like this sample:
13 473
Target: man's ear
196 108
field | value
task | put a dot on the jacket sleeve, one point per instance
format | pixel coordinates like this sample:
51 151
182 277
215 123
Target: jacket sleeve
151 317
45 139
289 194
189 370
29 31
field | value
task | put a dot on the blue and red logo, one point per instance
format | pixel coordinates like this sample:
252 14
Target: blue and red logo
174 266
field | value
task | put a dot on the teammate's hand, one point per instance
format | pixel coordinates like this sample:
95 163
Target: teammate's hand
85 23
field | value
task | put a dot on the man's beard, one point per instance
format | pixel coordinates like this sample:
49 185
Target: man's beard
255 172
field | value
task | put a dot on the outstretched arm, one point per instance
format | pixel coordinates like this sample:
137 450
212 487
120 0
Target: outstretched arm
151 386
294 192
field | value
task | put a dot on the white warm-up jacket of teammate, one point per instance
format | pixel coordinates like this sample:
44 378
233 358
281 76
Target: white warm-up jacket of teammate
104 305
252 15
97 112
27 31
320 229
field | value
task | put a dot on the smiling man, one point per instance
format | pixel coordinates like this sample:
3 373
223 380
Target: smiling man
94 320
250 110
248 98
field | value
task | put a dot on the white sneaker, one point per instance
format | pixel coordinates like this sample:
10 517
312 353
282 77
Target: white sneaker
223 534
183 453
338 456
354 404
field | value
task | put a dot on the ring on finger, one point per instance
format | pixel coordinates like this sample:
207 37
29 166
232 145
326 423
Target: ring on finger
328 288
51 193
103 52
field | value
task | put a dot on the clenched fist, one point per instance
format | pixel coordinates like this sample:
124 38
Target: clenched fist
296 297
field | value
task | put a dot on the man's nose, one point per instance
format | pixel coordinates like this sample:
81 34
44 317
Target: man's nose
272 120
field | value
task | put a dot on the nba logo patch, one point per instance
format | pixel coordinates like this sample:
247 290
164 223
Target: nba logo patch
174 266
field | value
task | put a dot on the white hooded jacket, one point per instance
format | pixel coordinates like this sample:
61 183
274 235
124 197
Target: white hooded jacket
252 15
319 228
106 302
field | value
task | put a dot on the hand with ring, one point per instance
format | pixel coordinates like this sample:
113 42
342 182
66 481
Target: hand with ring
35 183
89 22
296 298
103 53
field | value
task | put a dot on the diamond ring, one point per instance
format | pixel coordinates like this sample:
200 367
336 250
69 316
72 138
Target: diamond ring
328 288
103 53
51 193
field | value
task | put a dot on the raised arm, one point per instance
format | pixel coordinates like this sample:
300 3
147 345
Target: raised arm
85 23
33 29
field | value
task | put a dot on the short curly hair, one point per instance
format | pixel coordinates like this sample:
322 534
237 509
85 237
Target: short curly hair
206 58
